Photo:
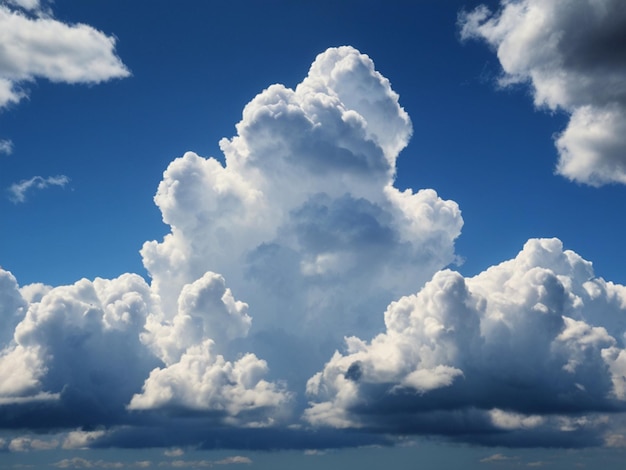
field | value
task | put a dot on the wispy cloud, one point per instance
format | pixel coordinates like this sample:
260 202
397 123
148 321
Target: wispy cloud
18 191
497 458
6 147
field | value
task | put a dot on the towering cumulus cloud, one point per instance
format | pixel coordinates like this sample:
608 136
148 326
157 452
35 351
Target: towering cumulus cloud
303 220
571 52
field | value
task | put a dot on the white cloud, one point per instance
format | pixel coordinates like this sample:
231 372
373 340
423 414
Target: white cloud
176 452
303 220
18 191
527 336
81 439
78 462
236 459
203 381
42 47
570 53
76 341
26 4
6 147
26 444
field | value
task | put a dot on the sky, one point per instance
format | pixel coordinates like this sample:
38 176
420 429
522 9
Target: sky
312 234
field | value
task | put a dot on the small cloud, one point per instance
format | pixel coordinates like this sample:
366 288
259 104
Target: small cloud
78 462
536 464
18 190
81 439
497 458
234 459
177 452
314 452
615 440
26 444
26 4
6 147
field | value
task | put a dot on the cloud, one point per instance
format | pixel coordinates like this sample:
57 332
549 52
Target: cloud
303 220
26 444
78 462
18 191
568 51
497 458
531 347
26 4
176 452
6 147
81 439
298 240
35 45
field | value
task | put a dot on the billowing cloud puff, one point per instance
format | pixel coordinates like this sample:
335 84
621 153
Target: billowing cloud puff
88 348
303 220
35 45
518 349
74 346
570 51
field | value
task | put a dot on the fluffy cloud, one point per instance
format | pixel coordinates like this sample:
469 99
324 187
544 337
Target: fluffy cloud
531 347
76 344
303 220
570 52
17 191
35 45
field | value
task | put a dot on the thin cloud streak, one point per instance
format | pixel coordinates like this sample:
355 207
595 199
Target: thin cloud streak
18 191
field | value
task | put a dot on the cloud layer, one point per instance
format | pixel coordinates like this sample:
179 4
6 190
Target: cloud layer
296 240
569 51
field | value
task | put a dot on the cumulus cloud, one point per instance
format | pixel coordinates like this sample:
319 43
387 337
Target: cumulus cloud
81 439
17 191
303 220
531 347
569 51
27 444
35 45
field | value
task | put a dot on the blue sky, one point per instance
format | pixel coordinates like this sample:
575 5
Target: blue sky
446 193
